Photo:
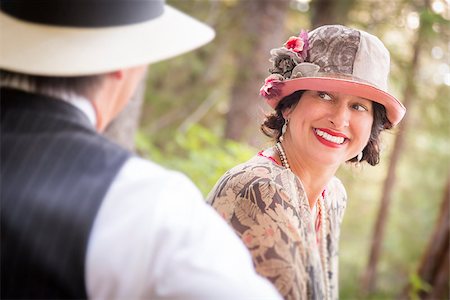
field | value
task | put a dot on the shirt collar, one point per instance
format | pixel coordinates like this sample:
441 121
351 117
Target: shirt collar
78 101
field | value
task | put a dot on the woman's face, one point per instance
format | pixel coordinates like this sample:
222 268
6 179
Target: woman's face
329 127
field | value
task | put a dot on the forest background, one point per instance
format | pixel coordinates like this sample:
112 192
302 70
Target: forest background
200 113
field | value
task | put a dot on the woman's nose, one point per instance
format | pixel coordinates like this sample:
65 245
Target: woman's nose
340 117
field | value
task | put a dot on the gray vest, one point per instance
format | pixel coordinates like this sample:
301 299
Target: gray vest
55 171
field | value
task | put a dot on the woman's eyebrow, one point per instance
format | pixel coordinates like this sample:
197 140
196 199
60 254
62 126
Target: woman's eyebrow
364 99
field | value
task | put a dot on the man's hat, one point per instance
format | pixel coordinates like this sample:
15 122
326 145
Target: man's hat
84 37
333 58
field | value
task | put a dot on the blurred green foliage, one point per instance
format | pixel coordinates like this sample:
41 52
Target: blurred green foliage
417 285
197 152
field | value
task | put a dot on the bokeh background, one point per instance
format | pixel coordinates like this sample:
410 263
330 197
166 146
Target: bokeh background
200 113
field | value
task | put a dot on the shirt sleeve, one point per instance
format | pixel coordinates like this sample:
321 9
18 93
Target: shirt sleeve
155 238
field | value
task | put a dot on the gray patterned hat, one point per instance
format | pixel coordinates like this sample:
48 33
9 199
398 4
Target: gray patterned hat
333 58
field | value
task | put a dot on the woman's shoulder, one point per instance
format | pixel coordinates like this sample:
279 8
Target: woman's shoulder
255 169
245 176
257 187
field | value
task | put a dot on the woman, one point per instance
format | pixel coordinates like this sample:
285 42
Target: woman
329 92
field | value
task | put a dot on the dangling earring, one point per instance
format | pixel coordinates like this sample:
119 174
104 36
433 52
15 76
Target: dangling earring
359 157
283 129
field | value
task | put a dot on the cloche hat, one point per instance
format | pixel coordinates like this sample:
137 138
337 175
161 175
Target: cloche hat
84 37
333 58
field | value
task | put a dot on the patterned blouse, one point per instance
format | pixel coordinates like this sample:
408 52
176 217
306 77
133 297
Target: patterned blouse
267 206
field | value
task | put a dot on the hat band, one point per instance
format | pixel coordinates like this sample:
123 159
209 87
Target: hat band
82 13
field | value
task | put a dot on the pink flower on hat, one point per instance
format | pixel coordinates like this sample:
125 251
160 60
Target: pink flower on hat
298 44
272 86
295 44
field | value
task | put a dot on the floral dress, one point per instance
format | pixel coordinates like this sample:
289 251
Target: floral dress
268 208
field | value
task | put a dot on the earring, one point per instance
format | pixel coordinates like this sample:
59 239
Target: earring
359 157
283 129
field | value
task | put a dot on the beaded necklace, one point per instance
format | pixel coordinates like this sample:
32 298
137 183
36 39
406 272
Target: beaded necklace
321 208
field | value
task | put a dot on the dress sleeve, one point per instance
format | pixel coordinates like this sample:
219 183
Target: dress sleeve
262 214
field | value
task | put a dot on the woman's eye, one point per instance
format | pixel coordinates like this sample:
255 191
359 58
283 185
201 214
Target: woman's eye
360 107
324 96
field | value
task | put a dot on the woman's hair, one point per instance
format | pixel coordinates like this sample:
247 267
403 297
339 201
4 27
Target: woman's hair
80 85
273 123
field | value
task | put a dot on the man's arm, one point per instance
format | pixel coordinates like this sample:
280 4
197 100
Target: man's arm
154 237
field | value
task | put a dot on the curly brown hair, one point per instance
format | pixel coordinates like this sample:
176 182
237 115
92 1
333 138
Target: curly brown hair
273 123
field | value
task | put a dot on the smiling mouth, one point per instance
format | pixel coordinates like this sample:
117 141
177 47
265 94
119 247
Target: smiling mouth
331 138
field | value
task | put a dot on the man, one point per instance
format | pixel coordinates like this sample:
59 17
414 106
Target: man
80 216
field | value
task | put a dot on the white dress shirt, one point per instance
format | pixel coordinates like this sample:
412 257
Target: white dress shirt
155 238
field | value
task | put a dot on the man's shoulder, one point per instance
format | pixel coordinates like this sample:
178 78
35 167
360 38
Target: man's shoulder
151 178
138 167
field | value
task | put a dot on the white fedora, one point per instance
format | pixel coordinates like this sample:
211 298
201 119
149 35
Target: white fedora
84 37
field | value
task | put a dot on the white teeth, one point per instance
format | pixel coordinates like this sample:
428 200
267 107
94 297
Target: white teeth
329 137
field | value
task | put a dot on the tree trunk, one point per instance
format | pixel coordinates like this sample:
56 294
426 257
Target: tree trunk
325 12
369 278
123 128
263 24
434 265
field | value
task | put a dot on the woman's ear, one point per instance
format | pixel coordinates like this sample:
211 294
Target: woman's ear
287 112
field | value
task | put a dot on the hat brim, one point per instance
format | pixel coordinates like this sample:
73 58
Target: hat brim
64 51
394 108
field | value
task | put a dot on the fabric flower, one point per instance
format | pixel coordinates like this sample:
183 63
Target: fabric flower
304 37
295 44
280 52
299 45
284 61
305 70
272 86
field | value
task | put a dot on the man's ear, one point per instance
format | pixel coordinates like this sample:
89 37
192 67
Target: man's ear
117 74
